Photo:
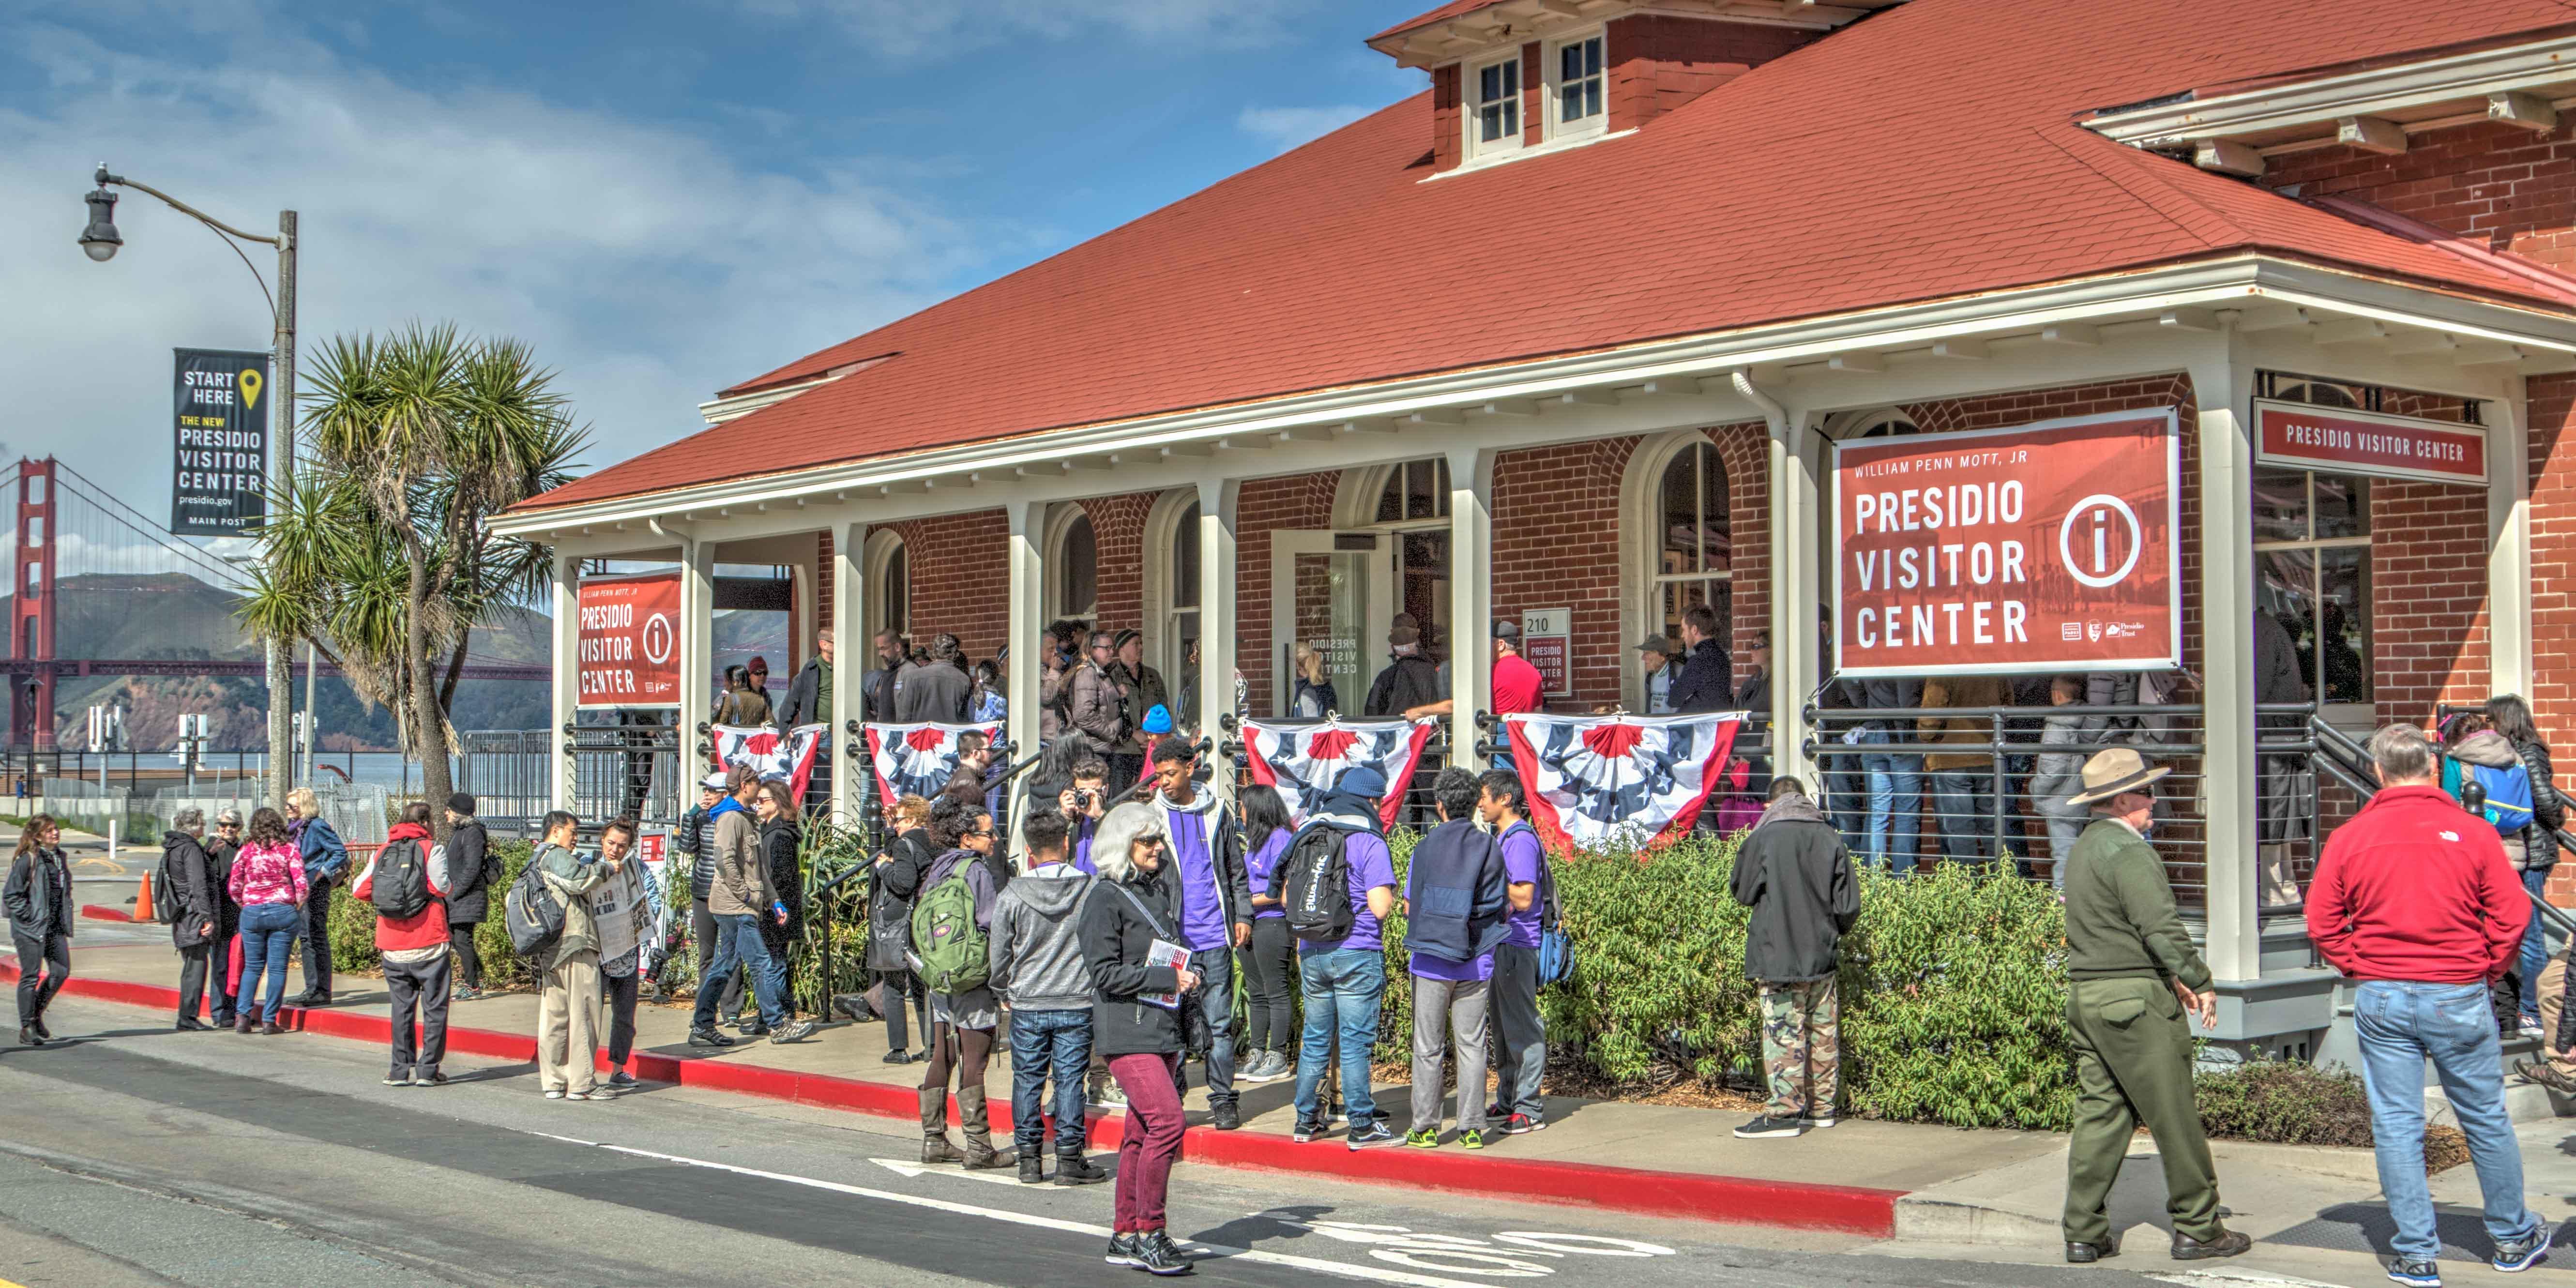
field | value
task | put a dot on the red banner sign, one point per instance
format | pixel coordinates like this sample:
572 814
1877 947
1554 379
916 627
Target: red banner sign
630 641
2361 442
2002 551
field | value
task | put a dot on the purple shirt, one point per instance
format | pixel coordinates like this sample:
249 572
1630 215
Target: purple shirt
1263 862
1081 853
1521 860
1202 906
1431 966
1371 866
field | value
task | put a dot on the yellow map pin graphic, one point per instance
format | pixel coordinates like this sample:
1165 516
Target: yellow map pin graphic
250 383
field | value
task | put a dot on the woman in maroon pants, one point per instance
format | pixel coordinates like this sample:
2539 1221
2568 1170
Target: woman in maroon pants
1136 1023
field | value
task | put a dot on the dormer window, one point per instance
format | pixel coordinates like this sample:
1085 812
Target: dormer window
1577 87
1494 121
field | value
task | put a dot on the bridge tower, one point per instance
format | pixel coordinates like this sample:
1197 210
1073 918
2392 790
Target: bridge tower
31 614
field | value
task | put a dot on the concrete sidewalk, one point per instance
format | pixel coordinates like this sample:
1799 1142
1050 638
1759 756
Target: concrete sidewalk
1934 1186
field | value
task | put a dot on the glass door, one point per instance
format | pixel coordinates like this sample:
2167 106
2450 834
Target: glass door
1336 592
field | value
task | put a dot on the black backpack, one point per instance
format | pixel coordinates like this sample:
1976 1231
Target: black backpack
400 887
165 891
1315 884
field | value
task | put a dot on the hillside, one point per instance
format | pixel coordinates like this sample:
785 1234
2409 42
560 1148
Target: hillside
175 617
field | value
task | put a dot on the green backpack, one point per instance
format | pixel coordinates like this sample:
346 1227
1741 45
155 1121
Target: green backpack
945 939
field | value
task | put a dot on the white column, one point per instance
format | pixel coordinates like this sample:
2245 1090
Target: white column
1216 613
1471 598
697 656
567 679
1797 584
849 617
2509 542
1025 553
2230 767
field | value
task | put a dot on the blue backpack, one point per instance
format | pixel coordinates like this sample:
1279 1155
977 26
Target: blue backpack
1555 947
2508 791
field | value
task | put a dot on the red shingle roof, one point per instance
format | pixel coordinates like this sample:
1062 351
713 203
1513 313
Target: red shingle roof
1930 152
1446 11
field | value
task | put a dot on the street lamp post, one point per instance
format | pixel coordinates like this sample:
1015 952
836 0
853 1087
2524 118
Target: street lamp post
100 242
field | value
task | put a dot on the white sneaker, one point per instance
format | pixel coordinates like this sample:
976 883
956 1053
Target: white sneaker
552 1094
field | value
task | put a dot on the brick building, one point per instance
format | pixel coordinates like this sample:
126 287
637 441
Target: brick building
1577 328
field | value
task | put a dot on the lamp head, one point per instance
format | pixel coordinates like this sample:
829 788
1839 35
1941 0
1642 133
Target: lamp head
100 239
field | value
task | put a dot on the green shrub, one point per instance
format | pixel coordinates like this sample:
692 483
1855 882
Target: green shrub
353 927
2285 1103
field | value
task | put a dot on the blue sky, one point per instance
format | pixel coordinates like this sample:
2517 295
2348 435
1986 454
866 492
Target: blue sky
664 196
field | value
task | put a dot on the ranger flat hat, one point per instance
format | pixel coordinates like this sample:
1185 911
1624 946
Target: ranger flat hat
2112 771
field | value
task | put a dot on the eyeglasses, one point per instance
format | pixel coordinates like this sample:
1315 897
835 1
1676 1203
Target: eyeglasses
981 831
1154 841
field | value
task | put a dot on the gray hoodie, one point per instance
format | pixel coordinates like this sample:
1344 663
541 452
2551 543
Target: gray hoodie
1035 942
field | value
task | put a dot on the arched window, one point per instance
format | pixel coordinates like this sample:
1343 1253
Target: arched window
1181 618
1072 567
888 593
1415 491
1694 552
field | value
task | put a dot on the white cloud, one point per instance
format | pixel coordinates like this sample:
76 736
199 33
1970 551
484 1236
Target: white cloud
1287 127
909 28
648 264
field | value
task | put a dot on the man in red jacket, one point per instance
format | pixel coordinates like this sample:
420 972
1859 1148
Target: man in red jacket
2416 901
415 952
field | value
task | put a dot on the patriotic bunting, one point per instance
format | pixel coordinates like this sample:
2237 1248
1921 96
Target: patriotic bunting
917 759
772 756
1303 758
1596 781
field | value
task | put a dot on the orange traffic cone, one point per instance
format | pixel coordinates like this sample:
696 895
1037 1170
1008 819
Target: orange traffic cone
143 898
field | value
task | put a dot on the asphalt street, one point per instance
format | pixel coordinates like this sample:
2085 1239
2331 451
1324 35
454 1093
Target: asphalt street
134 1155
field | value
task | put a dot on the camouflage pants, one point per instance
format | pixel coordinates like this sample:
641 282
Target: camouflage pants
1802 1048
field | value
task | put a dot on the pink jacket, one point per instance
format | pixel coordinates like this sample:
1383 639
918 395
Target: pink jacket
267 874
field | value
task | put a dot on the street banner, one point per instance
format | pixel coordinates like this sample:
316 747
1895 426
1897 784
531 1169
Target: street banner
629 643
2360 442
768 753
1618 781
1303 759
917 759
220 473
2045 547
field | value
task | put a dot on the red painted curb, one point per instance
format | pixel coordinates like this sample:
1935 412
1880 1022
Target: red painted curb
101 912
1743 1201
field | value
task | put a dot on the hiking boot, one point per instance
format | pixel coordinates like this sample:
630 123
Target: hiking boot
2521 1254
1156 1254
708 1037
935 1147
2228 1243
2420 1274
1225 1115
755 1029
269 1029
855 1006
243 1023
1032 1168
2546 1074
37 1022
2085 1254
27 1036
1074 1169
795 1031
1766 1126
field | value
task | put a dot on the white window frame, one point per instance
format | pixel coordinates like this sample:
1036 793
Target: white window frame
883 544
1059 526
2351 716
1552 70
1472 107
1166 524
1641 538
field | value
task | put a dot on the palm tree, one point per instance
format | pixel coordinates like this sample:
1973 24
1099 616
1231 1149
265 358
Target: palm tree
381 557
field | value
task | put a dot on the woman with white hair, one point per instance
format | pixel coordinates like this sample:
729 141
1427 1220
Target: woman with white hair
326 860
1139 972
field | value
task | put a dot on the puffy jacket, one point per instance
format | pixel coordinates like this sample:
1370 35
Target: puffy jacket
2415 888
2548 809
472 867
192 883
1098 709
697 839
742 882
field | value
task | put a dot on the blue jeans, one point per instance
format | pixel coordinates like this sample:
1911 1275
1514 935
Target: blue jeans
2400 1026
1215 967
740 947
1895 803
1964 800
1044 1042
1341 988
268 933
2535 952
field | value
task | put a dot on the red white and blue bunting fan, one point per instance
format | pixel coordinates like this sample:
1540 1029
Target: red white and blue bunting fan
772 756
1303 759
917 759
1618 780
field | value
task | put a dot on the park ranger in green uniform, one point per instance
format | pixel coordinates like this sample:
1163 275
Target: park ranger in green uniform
2132 974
